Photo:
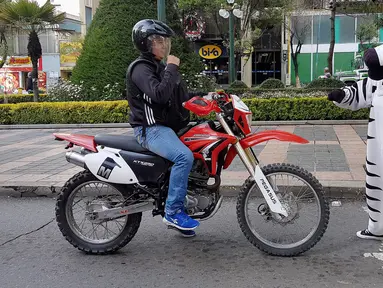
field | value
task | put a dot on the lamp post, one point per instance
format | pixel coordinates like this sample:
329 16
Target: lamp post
161 14
229 11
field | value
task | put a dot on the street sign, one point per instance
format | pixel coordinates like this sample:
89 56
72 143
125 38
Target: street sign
210 51
284 55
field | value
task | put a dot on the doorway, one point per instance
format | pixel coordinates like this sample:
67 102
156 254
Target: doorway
266 64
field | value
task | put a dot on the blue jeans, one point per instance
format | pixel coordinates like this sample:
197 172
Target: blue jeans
164 142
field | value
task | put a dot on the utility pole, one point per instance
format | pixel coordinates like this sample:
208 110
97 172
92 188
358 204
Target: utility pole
332 6
161 12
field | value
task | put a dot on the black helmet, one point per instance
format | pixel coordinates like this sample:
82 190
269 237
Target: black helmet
148 27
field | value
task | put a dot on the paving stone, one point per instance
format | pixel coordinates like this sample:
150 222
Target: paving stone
320 133
361 130
322 158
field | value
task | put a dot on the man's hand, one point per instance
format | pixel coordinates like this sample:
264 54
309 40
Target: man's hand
336 96
173 60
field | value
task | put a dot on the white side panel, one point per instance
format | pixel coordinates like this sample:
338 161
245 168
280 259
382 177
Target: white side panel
109 167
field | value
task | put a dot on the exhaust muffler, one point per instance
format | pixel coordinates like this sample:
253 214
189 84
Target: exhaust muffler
75 158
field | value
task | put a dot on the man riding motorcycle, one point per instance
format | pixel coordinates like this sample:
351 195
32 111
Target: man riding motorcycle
155 93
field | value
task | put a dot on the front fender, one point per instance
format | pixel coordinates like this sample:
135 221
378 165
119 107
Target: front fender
256 138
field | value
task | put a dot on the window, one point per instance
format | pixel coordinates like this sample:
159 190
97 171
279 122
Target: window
322 28
301 26
88 16
47 41
344 29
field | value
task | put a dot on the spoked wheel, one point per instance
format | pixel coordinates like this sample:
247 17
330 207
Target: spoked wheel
301 195
82 195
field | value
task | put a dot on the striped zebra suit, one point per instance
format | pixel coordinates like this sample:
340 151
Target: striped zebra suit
368 93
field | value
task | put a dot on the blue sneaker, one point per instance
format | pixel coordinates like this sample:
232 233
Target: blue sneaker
184 233
181 221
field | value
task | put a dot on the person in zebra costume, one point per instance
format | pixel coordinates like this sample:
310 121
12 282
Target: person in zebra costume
368 93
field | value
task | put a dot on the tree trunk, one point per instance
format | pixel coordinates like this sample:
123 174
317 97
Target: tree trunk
35 52
332 42
296 68
294 57
35 80
3 41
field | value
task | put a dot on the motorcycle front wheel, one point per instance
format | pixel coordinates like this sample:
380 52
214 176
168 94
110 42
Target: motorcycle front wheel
302 196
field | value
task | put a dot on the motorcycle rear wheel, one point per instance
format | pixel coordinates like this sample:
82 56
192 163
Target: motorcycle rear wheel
271 222
71 229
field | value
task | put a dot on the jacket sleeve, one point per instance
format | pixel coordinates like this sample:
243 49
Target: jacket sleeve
159 91
358 96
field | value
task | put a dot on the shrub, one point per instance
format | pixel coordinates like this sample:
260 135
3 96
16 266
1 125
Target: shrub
18 98
108 49
326 83
68 91
64 112
238 84
200 83
117 111
272 83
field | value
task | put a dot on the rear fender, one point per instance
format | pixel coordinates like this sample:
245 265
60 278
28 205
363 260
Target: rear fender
108 166
256 138
81 140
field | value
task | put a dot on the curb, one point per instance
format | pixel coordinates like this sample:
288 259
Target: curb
337 190
127 125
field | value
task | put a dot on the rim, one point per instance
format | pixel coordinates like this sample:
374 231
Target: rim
84 228
298 200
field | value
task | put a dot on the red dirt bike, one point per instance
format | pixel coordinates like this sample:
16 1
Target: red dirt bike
99 210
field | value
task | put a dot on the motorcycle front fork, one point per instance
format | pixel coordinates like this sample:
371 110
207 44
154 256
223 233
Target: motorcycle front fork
267 186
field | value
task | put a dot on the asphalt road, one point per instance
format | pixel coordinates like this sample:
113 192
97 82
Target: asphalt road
220 256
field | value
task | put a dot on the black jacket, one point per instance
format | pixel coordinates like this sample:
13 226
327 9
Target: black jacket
150 87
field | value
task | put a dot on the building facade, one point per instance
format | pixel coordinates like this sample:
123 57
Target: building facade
314 52
14 74
87 10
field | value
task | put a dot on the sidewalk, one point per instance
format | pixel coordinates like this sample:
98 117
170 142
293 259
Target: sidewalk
335 155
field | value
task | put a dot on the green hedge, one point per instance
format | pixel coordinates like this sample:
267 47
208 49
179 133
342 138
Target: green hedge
19 98
289 92
325 82
64 112
117 111
272 83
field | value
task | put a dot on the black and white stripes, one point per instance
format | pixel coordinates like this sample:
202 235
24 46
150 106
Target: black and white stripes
367 93
149 111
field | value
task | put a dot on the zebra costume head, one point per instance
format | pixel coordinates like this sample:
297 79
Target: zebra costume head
373 58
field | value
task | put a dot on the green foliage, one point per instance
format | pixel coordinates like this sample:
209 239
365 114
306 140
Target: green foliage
238 84
367 31
108 49
208 5
272 83
326 83
118 111
64 112
29 16
67 91
19 98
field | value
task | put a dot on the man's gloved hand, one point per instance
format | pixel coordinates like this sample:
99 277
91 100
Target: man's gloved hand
336 95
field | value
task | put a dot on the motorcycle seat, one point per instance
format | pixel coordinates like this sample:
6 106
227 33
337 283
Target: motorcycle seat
123 142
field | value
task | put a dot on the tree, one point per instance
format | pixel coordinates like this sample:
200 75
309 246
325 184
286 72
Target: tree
350 7
298 29
367 32
108 48
259 16
30 17
4 29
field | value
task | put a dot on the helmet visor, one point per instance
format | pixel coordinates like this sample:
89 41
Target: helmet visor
160 46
